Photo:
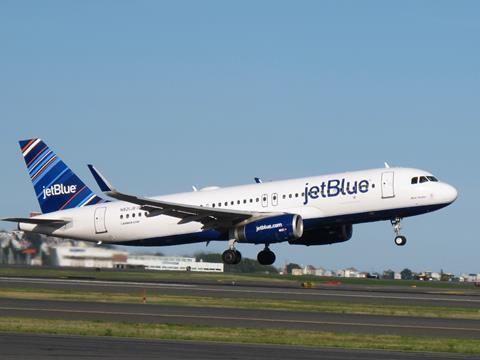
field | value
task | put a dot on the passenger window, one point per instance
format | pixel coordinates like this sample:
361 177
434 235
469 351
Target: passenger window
290 196
121 216
127 216
232 202
226 203
284 196
244 201
251 200
139 214
296 195
415 180
423 179
219 204
257 199
213 205
238 202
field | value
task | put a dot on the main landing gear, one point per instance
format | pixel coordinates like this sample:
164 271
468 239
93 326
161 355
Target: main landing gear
266 256
232 256
400 240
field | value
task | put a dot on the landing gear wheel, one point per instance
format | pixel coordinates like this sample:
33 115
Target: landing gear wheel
266 257
238 257
231 257
400 240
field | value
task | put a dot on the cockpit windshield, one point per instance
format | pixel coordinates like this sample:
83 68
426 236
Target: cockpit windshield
423 179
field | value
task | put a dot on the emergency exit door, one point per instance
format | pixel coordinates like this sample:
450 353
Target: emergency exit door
388 188
100 226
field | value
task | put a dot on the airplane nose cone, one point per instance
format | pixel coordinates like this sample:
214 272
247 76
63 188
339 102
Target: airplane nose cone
450 193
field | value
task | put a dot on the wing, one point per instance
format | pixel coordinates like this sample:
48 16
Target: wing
211 218
37 221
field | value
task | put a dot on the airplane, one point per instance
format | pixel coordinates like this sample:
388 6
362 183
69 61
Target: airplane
307 211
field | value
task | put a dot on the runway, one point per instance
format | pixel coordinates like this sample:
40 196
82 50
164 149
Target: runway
42 347
248 318
357 294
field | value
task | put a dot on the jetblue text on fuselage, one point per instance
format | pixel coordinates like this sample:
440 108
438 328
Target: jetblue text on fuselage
335 187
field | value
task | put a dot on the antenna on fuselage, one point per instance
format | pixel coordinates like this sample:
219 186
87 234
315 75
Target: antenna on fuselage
386 165
258 180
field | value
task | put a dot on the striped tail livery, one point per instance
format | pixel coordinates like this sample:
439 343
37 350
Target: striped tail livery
56 186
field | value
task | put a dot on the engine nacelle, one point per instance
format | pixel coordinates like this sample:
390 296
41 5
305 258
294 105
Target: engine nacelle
270 230
325 236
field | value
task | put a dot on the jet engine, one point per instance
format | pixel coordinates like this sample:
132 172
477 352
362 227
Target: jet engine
325 236
269 230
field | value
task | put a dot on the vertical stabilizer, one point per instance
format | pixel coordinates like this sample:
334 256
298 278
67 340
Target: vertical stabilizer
56 186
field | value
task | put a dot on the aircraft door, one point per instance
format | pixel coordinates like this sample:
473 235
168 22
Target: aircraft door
388 189
100 226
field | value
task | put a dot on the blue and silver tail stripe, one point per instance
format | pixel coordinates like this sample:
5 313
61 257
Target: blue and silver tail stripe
56 186
40 162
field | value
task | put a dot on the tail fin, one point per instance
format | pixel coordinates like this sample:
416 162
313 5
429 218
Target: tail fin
56 186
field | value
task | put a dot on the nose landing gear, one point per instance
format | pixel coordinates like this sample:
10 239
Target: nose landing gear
400 240
266 256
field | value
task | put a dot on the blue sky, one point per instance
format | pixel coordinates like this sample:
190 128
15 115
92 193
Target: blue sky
165 95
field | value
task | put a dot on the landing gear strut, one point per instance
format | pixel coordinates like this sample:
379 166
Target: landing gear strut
400 240
232 256
266 257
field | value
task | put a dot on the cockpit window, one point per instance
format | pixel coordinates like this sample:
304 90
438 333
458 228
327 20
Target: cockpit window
432 178
415 180
423 179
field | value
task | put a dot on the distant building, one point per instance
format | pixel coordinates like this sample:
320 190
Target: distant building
90 257
470 278
351 273
97 257
435 276
297 272
309 270
173 263
322 272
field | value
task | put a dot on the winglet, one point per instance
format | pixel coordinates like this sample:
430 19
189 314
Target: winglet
258 180
102 182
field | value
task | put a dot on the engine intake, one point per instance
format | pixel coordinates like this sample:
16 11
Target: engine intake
325 236
270 230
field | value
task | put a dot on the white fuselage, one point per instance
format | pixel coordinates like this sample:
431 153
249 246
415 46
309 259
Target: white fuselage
352 197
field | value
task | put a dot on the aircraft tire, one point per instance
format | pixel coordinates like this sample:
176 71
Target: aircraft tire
400 240
266 257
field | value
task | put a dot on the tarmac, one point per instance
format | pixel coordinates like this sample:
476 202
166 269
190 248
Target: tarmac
43 347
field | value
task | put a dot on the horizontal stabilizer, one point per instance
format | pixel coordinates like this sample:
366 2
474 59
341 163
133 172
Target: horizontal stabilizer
37 221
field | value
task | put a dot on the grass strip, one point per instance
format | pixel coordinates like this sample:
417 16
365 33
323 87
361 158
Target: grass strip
239 335
246 303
